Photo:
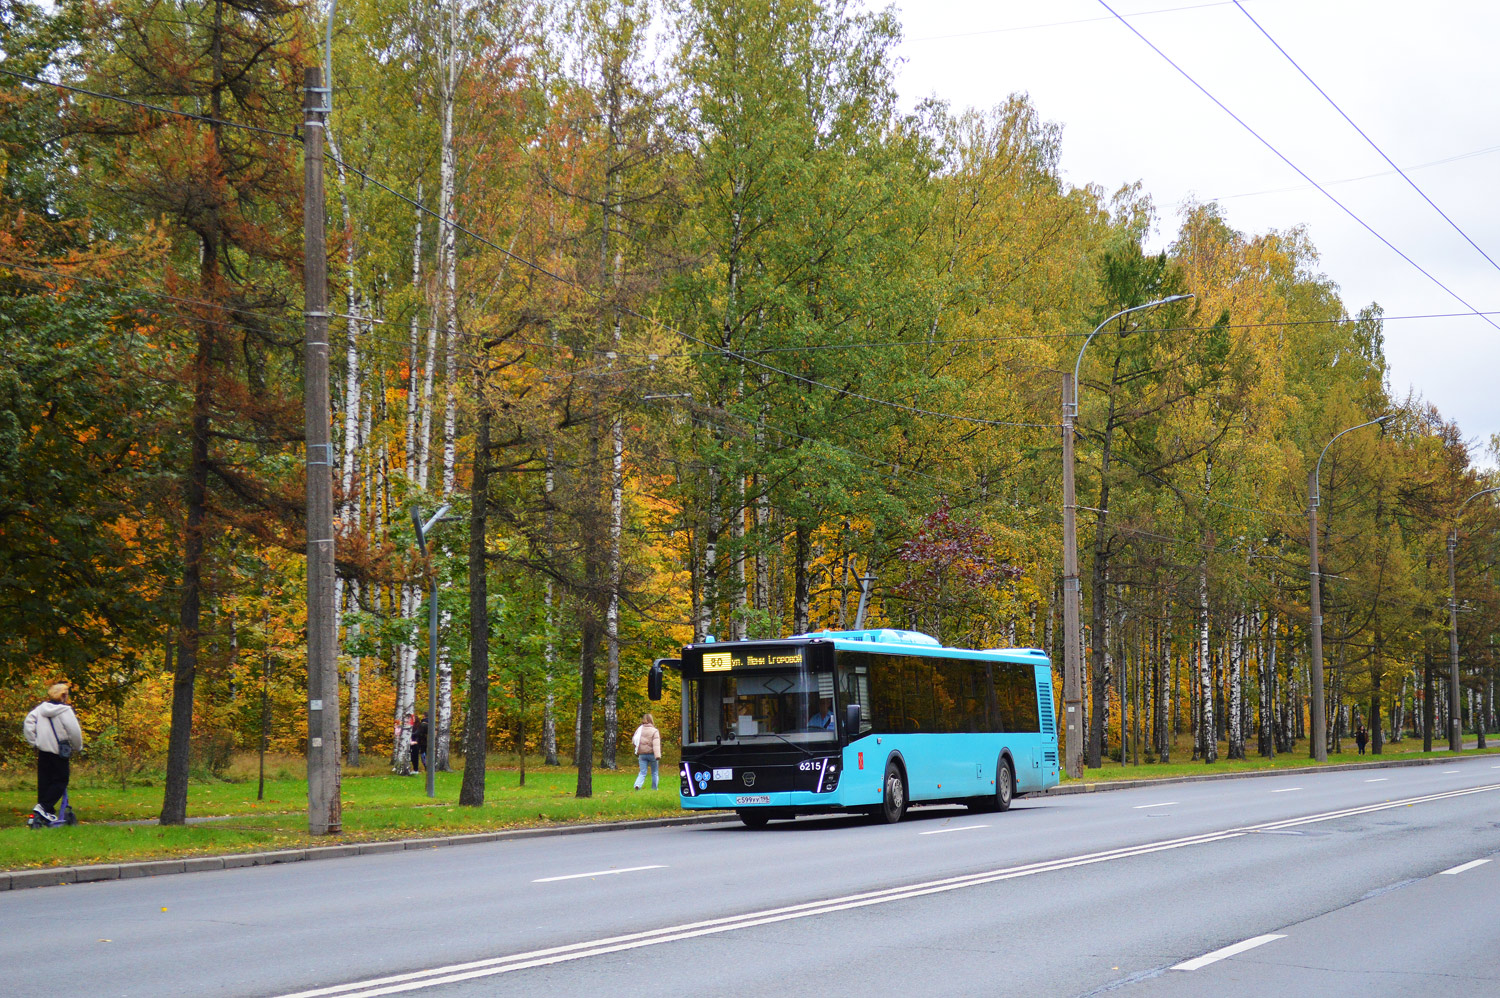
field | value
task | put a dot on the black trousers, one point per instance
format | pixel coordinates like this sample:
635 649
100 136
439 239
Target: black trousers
51 779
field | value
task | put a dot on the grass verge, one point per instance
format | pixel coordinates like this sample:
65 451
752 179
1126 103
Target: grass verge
377 806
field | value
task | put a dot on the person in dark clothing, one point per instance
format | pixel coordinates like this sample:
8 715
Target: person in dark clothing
1360 738
419 744
53 730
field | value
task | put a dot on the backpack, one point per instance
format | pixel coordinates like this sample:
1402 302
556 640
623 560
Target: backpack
64 747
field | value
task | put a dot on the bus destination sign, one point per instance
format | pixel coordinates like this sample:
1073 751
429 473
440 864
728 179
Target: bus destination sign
723 661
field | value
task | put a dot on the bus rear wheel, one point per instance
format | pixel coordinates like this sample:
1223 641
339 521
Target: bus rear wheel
893 799
1005 786
754 819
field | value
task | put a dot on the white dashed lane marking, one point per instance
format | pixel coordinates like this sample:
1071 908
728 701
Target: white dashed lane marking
1465 866
1220 954
960 828
599 873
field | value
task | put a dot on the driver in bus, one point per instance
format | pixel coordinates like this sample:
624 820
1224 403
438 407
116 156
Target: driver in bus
823 719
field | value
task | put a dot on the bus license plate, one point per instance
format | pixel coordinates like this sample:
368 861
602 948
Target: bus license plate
757 799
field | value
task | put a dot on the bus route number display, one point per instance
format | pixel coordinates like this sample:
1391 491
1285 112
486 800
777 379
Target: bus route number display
723 661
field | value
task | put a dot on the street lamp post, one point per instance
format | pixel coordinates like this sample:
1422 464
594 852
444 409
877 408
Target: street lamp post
1072 593
1319 733
1455 716
423 529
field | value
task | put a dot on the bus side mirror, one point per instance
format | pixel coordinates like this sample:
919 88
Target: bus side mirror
851 719
653 681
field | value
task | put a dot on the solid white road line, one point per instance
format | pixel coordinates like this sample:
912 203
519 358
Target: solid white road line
1466 866
1285 790
1227 951
1379 779
1165 803
454 973
960 828
598 873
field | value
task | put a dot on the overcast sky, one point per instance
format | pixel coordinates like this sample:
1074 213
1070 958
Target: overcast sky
1421 79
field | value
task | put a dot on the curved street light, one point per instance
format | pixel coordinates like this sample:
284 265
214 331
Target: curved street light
1072 594
1455 717
1319 732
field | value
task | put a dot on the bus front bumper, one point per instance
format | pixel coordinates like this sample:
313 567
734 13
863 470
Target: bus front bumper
798 799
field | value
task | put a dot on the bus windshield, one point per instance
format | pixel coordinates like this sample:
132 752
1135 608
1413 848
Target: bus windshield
761 705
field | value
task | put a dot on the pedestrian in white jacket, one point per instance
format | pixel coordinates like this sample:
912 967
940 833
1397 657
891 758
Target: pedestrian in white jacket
52 729
647 741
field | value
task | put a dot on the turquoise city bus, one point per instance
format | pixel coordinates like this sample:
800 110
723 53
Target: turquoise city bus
868 721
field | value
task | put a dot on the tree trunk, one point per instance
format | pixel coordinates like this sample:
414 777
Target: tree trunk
451 68
1236 689
802 597
549 650
180 736
413 378
1268 697
708 586
1099 656
1208 739
589 637
616 578
1161 673
406 685
352 755
476 745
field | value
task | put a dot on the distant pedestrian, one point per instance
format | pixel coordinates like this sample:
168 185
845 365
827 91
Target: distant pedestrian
647 741
1360 738
419 744
52 729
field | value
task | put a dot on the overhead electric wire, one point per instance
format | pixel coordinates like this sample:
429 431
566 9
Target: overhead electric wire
1486 151
149 107
1299 171
1390 162
1063 24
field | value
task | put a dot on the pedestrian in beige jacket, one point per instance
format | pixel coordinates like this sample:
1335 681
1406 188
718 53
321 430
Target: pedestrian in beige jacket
52 729
647 741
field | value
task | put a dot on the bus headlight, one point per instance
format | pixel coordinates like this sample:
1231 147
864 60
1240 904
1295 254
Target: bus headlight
827 775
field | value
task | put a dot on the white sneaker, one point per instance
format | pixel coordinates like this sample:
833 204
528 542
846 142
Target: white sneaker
43 813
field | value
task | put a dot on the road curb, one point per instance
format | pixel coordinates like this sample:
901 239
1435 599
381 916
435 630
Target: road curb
1089 788
11 880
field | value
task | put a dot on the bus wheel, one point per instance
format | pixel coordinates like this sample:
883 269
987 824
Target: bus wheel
1005 785
754 819
893 796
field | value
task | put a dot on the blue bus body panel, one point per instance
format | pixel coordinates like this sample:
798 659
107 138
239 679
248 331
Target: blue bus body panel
938 766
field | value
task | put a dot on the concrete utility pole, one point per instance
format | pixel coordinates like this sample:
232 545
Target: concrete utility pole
1072 639
1455 718
324 806
1072 592
1318 734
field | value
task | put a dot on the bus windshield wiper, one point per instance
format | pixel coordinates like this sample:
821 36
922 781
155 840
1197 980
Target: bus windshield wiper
806 752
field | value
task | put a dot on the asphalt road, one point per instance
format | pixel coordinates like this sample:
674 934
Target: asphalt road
1337 879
